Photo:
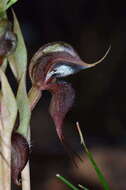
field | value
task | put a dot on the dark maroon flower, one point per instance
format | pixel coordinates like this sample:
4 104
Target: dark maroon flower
19 156
53 61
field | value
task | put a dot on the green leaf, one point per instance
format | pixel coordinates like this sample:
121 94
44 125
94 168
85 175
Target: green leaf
82 187
18 64
18 61
90 157
10 3
69 184
4 5
8 105
66 182
24 108
4 65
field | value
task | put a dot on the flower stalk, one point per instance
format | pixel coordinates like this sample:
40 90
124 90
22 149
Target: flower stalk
25 175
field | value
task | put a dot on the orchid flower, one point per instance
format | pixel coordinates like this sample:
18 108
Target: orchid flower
51 62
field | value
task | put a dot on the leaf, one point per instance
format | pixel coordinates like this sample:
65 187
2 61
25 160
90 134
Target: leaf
82 187
4 64
18 64
24 107
4 5
10 3
90 157
8 105
18 61
66 182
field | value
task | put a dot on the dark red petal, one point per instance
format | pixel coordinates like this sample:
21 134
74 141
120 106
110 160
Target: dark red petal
19 156
62 100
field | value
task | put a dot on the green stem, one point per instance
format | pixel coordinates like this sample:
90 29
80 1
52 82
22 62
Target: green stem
82 187
91 159
34 95
66 182
5 159
25 174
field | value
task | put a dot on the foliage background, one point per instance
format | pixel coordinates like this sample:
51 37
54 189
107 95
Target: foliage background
90 26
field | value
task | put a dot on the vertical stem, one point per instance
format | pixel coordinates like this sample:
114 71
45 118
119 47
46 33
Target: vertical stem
1 160
1 169
34 95
25 175
6 163
26 178
5 160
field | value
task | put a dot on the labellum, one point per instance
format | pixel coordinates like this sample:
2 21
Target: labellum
19 156
62 99
53 61
8 39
